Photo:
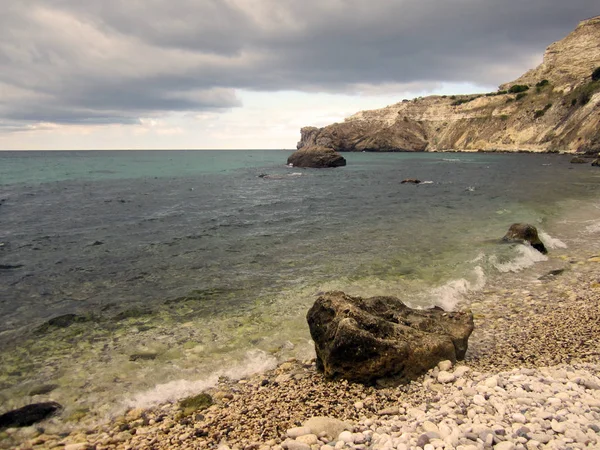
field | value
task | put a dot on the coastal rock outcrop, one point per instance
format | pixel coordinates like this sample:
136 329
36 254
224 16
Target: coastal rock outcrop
316 156
552 108
380 338
523 232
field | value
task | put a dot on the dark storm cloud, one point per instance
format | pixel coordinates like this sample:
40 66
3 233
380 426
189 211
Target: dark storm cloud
110 61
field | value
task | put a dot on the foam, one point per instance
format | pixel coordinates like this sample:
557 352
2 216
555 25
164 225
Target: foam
451 293
551 242
256 361
593 228
527 257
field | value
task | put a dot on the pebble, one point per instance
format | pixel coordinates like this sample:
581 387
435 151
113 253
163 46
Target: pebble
446 377
489 402
298 431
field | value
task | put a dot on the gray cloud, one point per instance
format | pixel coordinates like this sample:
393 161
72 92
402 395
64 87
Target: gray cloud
109 61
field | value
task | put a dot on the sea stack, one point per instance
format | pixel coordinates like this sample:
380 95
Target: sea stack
316 156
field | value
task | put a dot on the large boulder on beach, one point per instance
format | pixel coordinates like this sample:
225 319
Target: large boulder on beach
28 415
381 339
316 156
525 233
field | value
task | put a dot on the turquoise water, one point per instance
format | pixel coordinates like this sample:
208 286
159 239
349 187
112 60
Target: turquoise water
49 166
196 262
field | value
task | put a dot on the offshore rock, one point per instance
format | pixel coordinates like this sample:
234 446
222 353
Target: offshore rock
557 111
578 160
28 415
380 338
523 232
316 156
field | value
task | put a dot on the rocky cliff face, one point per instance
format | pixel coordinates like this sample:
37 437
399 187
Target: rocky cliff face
554 107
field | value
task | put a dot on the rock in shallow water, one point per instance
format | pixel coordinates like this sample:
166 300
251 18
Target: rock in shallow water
365 340
28 415
523 232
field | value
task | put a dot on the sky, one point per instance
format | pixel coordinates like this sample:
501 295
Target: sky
248 74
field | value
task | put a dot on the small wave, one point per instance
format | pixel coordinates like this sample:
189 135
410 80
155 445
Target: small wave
256 361
551 242
451 293
451 159
426 182
527 257
593 228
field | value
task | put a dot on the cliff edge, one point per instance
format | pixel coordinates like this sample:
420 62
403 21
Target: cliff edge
552 108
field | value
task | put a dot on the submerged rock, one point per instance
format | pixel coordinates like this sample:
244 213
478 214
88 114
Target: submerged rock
43 389
578 160
376 338
523 232
317 157
195 403
411 180
64 321
28 415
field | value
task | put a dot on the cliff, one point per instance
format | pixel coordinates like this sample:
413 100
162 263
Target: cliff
554 107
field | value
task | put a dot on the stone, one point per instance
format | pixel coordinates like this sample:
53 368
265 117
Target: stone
78 446
330 426
410 181
460 371
445 365
519 418
64 321
299 431
596 162
430 427
523 232
316 157
28 415
380 337
295 445
446 377
491 382
309 439
346 436
506 445
578 160
559 427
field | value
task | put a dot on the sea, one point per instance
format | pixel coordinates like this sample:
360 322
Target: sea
130 278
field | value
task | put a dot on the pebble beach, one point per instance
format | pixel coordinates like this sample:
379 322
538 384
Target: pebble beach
531 380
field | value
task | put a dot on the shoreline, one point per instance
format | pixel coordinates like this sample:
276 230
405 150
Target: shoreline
547 323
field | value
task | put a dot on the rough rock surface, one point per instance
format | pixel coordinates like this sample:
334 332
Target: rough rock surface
560 111
317 157
378 338
523 232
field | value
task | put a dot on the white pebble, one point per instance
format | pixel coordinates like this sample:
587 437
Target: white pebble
479 400
309 439
506 445
519 418
446 377
346 436
298 431
445 365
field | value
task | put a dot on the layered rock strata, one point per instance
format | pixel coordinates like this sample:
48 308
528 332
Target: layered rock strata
552 108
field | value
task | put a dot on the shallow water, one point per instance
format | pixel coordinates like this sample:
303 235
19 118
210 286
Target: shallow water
185 265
